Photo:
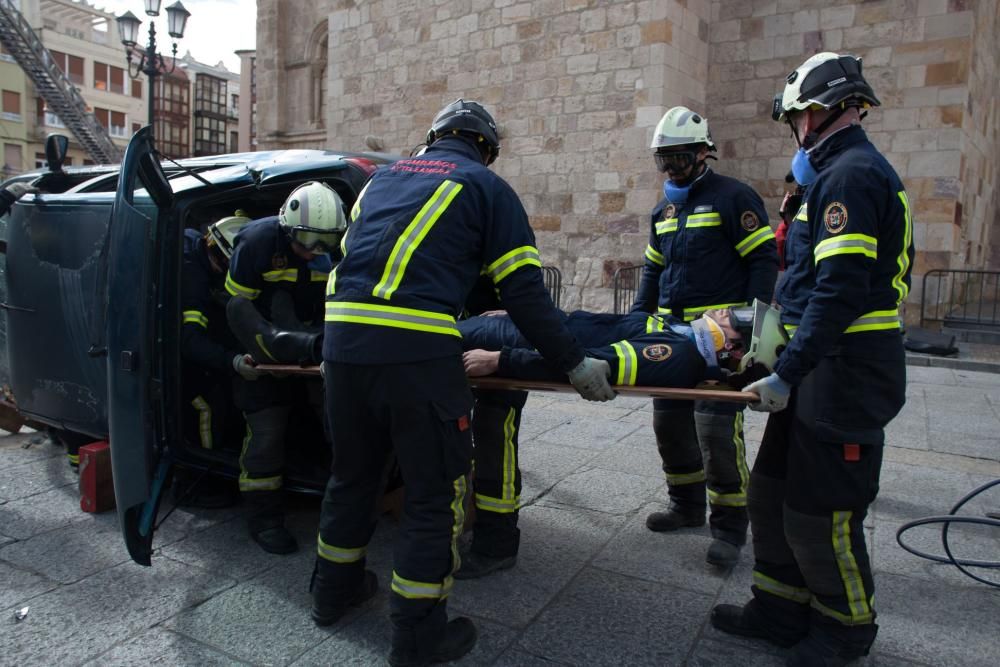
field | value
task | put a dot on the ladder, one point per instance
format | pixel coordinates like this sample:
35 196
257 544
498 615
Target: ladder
59 93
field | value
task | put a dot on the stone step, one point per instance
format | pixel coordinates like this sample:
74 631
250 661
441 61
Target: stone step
990 336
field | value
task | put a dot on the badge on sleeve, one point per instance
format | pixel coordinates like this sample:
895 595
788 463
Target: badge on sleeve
668 211
749 221
835 217
657 352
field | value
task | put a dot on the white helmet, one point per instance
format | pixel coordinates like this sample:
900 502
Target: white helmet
826 80
221 234
680 127
313 215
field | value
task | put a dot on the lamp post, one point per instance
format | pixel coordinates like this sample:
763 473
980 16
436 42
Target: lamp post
149 61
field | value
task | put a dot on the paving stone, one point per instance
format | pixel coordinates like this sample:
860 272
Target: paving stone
543 465
246 620
226 549
18 586
932 376
41 513
535 423
975 379
640 416
555 544
516 657
603 491
636 460
604 618
98 537
642 437
981 445
74 623
926 622
34 477
367 641
589 433
14 453
591 410
4 540
675 558
709 653
909 492
159 646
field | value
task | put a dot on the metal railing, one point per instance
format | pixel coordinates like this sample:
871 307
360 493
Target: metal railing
626 285
958 297
553 283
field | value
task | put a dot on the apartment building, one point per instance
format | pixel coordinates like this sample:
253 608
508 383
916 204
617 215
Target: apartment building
83 41
248 100
215 107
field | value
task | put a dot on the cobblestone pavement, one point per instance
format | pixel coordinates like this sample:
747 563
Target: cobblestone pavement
592 586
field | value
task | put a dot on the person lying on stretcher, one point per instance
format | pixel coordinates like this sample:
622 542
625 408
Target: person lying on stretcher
641 349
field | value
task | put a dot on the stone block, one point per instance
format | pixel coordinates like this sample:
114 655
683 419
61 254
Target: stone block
593 20
837 17
953 95
117 603
582 63
555 545
725 31
657 32
600 620
159 646
953 24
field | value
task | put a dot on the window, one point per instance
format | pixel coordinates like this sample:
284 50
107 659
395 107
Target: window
40 162
234 142
12 159
11 105
100 76
136 127
5 55
137 89
117 80
72 66
114 121
87 162
45 116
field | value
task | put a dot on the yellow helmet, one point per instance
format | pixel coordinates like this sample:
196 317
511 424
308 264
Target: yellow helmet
221 234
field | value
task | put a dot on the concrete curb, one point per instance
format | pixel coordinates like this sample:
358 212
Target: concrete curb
915 359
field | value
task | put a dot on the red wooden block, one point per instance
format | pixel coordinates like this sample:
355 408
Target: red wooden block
97 492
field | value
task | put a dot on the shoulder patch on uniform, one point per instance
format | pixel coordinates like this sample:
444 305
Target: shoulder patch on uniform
658 352
706 208
835 217
668 211
749 221
278 261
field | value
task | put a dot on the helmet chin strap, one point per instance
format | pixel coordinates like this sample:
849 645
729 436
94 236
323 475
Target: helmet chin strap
813 135
697 171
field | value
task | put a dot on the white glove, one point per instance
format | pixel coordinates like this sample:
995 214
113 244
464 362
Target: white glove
773 392
590 378
243 364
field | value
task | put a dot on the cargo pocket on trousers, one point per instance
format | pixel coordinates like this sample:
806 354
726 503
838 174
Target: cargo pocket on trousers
456 429
852 458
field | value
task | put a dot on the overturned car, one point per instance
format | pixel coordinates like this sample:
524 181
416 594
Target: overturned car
91 305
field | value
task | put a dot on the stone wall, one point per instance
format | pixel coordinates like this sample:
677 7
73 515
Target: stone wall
578 86
937 123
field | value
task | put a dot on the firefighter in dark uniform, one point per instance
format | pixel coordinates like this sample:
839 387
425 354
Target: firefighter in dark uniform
210 354
422 232
284 254
496 425
209 351
710 246
837 384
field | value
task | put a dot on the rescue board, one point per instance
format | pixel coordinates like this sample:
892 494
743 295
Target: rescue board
489 382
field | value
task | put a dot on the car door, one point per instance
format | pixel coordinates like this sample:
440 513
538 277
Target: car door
140 457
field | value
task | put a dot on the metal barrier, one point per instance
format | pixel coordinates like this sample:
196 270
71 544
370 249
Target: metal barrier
626 285
553 283
957 297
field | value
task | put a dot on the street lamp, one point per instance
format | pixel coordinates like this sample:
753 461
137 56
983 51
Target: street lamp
150 62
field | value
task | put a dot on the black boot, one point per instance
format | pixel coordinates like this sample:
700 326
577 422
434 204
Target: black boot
264 342
746 621
329 601
832 647
475 566
266 522
676 517
458 639
722 553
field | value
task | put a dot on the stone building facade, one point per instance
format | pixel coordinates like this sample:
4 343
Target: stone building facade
579 85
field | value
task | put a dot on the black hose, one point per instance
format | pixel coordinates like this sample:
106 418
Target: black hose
946 521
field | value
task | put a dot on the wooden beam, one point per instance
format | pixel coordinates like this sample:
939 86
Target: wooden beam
507 384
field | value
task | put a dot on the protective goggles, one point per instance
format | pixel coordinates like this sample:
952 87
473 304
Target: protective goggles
674 160
316 240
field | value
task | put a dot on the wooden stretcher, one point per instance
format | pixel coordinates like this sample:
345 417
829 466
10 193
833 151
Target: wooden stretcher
490 382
